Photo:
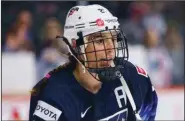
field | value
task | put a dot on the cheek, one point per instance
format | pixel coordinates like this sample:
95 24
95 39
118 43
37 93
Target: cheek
92 53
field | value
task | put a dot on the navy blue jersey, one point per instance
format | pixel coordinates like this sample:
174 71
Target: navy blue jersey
63 98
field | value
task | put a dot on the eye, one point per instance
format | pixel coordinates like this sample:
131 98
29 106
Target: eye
99 41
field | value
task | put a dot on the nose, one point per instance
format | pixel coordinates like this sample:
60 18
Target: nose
109 46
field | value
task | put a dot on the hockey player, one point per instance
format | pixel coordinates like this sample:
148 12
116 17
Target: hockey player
99 83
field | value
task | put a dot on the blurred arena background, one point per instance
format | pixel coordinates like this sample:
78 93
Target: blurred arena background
155 32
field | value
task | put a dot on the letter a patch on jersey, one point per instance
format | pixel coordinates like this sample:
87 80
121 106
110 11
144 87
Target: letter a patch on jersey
47 112
141 71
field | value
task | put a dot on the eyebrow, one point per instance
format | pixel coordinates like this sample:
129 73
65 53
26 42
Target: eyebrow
94 36
103 35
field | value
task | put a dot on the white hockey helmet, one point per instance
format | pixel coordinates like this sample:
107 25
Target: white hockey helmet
88 19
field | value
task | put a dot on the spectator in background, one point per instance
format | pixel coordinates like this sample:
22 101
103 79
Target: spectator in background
174 44
12 44
154 19
133 27
51 55
50 30
159 61
18 37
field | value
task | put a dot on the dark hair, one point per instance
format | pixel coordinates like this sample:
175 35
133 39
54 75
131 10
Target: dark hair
71 65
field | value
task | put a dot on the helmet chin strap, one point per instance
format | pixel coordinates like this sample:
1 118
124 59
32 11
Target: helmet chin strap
85 57
128 93
83 67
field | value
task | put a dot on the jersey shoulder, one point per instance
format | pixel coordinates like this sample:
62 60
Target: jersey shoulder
144 94
59 85
136 70
137 79
52 82
56 95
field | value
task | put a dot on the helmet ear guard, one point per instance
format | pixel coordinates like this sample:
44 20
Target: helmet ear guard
80 39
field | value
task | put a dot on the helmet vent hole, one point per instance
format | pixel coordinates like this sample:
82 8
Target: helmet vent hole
106 28
114 27
79 17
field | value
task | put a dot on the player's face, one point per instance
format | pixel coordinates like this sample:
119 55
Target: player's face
100 50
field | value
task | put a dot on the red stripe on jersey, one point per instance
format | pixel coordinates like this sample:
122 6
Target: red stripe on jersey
141 71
